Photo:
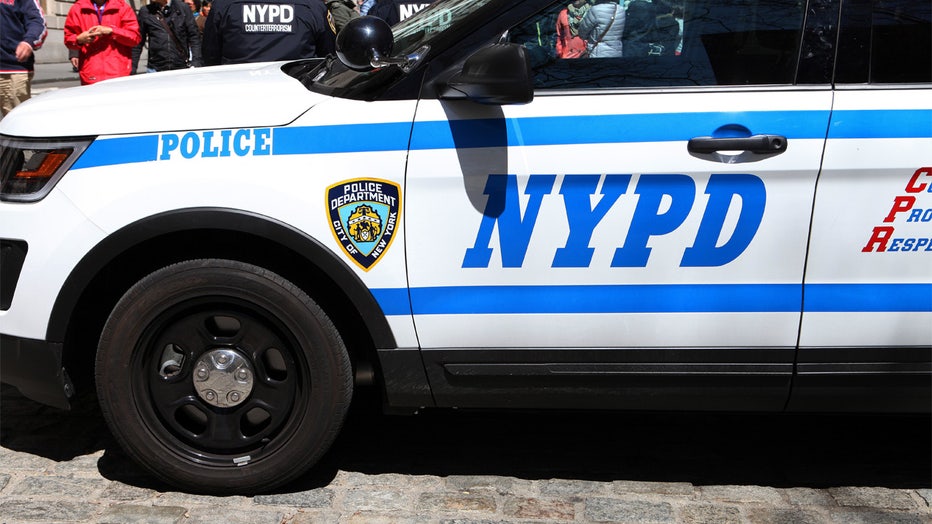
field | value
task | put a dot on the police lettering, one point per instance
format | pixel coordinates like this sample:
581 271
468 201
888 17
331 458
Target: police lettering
362 191
268 14
407 10
212 144
663 203
881 239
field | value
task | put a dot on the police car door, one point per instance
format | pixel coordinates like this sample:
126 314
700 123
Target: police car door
867 326
636 235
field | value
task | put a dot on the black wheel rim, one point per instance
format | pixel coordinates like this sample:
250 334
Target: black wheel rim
180 417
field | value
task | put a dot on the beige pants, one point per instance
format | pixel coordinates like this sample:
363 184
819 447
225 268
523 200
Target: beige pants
14 90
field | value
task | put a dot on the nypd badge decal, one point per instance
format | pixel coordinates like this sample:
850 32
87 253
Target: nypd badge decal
363 217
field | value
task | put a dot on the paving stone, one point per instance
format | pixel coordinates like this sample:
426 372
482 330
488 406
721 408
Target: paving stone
315 498
861 516
873 497
117 491
375 499
709 514
177 498
533 508
19 461
214 514
926 495
684 489
85 465
314 516
762 494
32 510
501 485
581 488
353 478
455 501
784 516
615 510
471 521
65 487
366 517
808 497
135 514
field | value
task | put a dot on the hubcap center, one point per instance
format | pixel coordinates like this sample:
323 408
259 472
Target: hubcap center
223 378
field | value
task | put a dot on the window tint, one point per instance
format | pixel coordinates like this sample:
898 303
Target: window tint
643 43
901 42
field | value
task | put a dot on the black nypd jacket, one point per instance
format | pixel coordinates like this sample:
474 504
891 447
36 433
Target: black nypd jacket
164 53
240 31
394 11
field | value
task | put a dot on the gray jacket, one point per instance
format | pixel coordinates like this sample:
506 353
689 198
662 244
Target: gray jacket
598 22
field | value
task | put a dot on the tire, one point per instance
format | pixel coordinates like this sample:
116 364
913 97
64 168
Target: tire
222 377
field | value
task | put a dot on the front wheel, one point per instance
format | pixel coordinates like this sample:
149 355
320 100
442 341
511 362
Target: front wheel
222 377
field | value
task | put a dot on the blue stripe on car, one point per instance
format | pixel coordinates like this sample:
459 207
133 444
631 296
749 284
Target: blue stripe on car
659 298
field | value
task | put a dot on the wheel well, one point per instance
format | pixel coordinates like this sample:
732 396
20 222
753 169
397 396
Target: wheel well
111 281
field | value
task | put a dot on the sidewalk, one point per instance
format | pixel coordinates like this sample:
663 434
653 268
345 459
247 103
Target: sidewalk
52 76
54 72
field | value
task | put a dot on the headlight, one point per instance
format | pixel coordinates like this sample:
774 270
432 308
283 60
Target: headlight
29 169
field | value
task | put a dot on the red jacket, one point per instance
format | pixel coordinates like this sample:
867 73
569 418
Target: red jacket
568 46
108 56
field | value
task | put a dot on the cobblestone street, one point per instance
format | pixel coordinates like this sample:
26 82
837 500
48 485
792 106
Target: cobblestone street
465 467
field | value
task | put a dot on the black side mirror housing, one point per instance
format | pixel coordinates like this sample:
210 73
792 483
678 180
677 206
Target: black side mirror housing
497 74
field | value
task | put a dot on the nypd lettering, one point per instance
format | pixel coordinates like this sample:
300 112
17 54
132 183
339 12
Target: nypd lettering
268 18
212 144
914 206
406 10
363 217
663 203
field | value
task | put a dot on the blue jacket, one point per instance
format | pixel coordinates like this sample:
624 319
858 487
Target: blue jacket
241 31
20 21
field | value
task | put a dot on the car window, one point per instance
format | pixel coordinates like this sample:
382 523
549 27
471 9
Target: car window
885 42
644 43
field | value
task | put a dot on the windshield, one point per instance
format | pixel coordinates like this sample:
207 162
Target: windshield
420 29
429 29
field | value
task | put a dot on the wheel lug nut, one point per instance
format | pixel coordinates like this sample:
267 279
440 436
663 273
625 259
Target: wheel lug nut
202 373
242 374
233 396
210 395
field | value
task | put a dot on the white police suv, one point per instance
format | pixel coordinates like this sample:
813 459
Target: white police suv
730 211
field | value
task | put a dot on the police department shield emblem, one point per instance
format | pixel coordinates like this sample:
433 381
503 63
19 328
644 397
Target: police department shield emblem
363 217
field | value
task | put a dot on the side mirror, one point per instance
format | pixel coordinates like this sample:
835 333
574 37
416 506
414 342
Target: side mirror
363 40
497 74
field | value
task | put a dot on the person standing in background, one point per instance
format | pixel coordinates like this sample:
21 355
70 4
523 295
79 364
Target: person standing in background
569 43
104 33
200 20
242 31
174 40
341 12
603 28
22 31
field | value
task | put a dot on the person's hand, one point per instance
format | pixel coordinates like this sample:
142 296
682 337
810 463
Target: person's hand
102 30
87 37
23 51
74 62
91 34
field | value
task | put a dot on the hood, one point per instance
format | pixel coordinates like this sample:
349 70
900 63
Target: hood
245 95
